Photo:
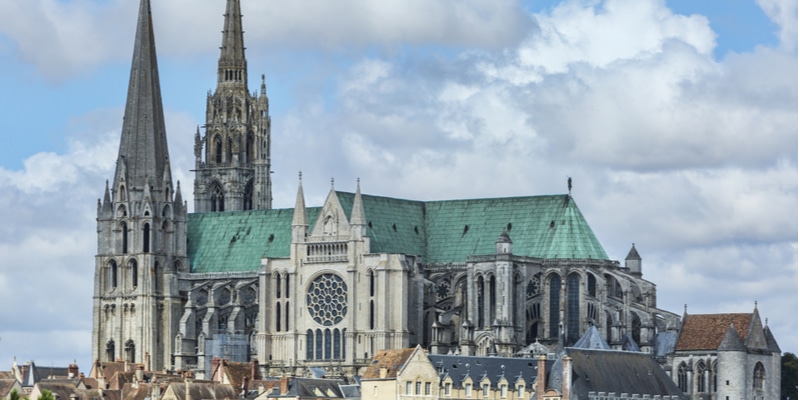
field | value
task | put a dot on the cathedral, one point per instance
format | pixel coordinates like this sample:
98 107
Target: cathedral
323 288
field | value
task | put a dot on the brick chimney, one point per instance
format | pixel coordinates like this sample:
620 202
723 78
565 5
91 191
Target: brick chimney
72 371
566 377
254 375
540 376
284 385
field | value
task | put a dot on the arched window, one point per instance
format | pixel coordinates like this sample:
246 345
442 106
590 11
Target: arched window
609 324
372 314
371 283
146 238
318 344
700 376
217 198
683 379
759 376
156 277
309 345
286 283
130 351
217 149
134 273
555 299
277 286
112 275
277 317
573 307
344 342
591 282
337 345
229 151
492 299
124 228
247 199
328 344
287 315
481 311
636 328
110 351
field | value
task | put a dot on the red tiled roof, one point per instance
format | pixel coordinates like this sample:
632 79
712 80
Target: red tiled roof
392 360
706 331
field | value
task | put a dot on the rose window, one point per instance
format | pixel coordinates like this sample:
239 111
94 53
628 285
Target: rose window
327 299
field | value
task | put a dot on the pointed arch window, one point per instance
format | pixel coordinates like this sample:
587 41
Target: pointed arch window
372 314
277 317
636 328
759 376
124 228
309 344
481 297
156 277
337 345
573 307
110 350
247 199
146 238
328 344
217 198
683 378
229 151
555 299
217 149
287 315
133 268
492 299
701 377
112 275
591 283
130 351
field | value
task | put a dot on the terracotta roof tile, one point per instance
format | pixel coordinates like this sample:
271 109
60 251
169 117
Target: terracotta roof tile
706 331
392 360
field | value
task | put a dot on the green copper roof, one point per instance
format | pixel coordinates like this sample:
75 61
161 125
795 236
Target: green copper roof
440 231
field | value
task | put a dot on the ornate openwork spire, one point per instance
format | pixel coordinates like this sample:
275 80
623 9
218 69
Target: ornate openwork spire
232 62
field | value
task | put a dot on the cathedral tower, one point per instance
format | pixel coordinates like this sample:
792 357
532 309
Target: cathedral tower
141 227
232 159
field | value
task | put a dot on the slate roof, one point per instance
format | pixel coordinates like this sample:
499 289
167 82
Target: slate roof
592 339
6 385
493 368
310 388
550 227
772 344
613 371
392 360
665 343
706 331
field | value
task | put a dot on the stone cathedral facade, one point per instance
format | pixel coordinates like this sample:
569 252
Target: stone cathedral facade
329 286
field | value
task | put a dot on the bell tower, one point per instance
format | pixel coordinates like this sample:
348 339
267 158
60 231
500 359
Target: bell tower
232 158
141 227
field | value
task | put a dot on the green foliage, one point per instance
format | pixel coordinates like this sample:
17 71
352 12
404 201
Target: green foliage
14 395
46 395
788 376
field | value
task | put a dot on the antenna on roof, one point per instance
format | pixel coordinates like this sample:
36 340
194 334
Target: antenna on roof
569 185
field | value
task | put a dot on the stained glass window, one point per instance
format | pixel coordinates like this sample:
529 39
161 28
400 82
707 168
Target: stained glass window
327 299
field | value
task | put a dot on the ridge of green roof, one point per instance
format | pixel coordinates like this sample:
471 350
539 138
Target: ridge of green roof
443 231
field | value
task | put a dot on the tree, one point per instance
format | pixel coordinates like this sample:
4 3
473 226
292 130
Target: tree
789 376
14 395
46 395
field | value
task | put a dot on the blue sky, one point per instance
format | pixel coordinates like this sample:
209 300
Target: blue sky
676 119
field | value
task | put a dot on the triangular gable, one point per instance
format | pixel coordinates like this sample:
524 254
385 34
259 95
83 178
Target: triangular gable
417 364
755 338
332 220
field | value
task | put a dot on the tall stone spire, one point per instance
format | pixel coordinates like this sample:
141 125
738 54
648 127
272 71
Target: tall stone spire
143 147
141 231
232 62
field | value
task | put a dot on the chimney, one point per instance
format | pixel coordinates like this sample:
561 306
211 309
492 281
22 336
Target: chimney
566 377
254 375
384 372
72 370
540 376
284 385
140 373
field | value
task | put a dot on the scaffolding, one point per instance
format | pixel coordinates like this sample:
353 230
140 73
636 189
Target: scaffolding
231 346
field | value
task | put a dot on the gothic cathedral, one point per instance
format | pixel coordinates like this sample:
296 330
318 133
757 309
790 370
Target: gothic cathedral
325 288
